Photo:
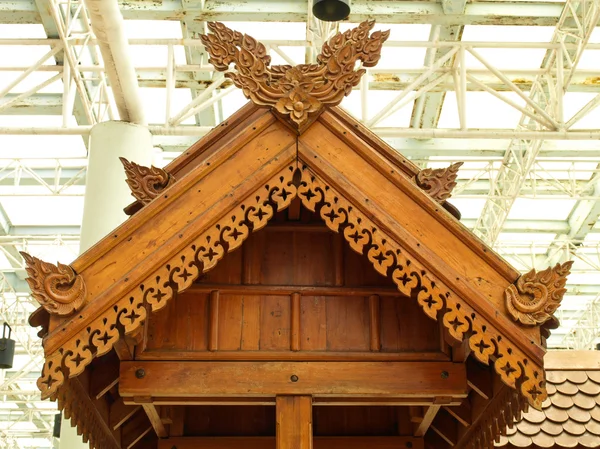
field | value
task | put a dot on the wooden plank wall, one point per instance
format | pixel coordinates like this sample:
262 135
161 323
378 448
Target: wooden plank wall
293 286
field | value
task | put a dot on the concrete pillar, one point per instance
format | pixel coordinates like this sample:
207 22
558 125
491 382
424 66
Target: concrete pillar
106 195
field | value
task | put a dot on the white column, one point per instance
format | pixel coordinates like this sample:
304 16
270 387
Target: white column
106 195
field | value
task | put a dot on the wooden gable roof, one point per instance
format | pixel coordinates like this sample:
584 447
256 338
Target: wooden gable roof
229 184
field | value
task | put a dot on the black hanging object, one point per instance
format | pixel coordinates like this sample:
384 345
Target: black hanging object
7 348
331 10
57 423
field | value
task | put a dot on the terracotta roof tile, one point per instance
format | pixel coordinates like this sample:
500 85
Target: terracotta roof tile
569 417
567 388
594 376
543 440
590 387
577 377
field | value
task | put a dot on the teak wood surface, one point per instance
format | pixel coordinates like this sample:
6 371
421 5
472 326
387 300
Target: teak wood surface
197 379
270 443
293 326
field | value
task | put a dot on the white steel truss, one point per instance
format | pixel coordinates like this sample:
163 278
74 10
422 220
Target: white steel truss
545 157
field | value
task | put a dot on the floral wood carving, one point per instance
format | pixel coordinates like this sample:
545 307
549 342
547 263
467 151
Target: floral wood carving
146 183
301 91
412 279
388 258
200 256
56 287
535 296
439 182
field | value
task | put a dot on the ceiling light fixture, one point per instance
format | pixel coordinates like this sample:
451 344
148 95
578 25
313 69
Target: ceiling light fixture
331 10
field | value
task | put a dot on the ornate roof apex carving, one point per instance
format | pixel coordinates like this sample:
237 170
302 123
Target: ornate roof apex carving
146 183
57 288
300 92
535 296
439 182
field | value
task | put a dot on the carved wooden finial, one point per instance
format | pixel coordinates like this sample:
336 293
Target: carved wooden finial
299 92
535 296
56 287
439 182
146 183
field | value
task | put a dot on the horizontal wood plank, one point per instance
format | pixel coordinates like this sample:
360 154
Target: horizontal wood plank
317 401
269 443
287 290
304 356
198 379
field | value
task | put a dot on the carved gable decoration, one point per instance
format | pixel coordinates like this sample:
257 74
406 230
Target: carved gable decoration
296 92
254 173
535 296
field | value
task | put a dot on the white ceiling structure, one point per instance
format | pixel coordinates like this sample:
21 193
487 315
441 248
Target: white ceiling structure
510 87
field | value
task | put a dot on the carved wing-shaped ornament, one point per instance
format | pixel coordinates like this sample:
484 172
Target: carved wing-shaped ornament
56 287
439 182
298 92
146 183
535 296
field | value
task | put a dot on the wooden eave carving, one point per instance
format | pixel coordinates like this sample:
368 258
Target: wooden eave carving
439 182
379 214
145 183
58 289
534 298
297 93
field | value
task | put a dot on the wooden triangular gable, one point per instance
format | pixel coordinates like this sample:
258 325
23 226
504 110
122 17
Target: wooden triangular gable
206 203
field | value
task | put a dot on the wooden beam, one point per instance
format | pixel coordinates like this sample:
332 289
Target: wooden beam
445 426
134 430
123 350
198 379
479 378
120 412
428 418
154 418
269 443
462 412
305 356
317 401
294 422
287 290
460 351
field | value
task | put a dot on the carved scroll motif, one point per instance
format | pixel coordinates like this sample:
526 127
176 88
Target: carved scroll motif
146 183
439 182
56 287
536 296
301 91
159 287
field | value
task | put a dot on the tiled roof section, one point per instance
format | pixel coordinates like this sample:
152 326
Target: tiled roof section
570 416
